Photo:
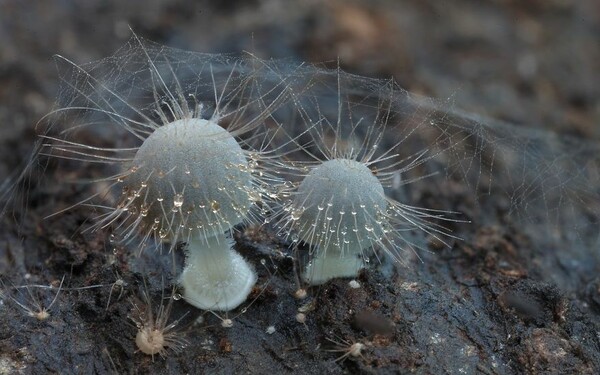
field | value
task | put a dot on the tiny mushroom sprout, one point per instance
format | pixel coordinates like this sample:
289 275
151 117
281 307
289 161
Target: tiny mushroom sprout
32 303
341 207
156 334
189 173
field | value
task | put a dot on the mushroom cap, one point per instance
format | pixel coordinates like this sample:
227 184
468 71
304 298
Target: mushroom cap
340 204
190 173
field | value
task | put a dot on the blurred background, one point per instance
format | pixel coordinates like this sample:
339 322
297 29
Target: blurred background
532 63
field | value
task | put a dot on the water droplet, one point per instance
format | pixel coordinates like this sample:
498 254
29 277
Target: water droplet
254 196
296 213
178 200
215 206
177 296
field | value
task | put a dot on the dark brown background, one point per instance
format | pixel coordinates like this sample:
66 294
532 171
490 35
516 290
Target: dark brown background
491 305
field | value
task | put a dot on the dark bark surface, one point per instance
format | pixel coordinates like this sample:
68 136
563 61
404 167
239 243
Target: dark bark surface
502 300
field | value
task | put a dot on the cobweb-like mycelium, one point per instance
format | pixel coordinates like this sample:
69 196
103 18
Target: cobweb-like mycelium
426 154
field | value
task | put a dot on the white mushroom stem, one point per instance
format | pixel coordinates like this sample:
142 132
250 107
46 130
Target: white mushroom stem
331 263
215 277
